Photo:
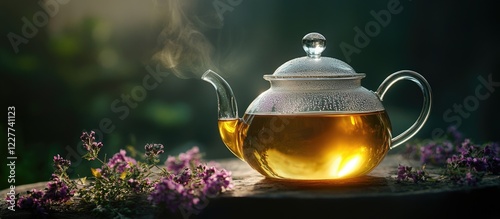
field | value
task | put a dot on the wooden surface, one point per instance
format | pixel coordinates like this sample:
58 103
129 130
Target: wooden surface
376 195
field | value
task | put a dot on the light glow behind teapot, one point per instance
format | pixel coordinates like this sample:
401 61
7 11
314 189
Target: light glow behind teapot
316 121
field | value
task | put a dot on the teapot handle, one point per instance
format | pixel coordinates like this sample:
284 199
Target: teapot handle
426 108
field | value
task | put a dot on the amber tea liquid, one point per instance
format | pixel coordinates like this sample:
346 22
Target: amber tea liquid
309 145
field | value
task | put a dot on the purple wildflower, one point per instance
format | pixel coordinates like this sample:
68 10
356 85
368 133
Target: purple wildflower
403 173
121 162
185 188
32 198
491 153
61 163
139 185
34 202
89 141
172 195
185 177
191 158
216 181
57 191
90 145
168 193
39 201
436 153
466 147
472 162
472 157
153 151
406 173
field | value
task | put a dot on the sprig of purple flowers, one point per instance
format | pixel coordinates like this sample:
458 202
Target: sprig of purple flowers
184 183
406 173
57 191
90 145
152 152
189 190
465 163
189 159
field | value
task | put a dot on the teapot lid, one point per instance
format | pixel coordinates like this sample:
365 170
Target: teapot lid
314 66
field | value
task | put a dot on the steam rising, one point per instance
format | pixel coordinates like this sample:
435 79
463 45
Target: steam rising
184 49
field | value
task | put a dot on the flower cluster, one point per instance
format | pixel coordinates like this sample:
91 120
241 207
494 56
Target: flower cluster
472 162
60 165
171 194
190 158
436 152
466 163
35 202
120 162
119 179
57 191
184 183
215 180
406 173
189 189
40 201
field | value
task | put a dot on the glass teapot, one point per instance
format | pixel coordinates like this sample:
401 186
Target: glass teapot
316 121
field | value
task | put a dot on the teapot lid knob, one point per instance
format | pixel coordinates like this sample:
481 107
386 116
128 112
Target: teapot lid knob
314 44
314 65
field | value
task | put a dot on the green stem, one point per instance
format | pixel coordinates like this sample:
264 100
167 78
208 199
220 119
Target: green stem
163 170
102 162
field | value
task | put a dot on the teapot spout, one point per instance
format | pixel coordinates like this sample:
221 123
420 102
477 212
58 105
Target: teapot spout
228 108
229 123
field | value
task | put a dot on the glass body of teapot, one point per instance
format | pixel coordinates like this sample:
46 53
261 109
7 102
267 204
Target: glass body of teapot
316 121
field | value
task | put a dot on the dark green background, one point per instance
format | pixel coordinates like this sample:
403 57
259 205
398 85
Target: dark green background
64 80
